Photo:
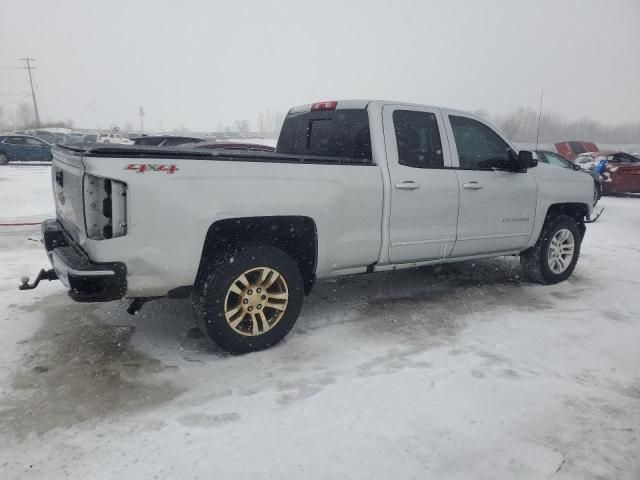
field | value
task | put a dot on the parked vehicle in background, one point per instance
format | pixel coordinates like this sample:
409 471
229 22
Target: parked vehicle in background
555 159
23 148
621 174
165 140
111 138
50 137
587 161
89 139
354 186
572 149
74 138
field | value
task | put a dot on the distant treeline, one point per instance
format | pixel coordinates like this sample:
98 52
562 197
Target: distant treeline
521 125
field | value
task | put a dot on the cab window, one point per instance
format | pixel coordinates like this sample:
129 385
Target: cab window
479 147
418 139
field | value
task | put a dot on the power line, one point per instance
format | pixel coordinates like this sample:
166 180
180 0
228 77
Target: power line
33 93
539 118
141 114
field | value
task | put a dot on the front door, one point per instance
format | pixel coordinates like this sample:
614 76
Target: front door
497 204
424 189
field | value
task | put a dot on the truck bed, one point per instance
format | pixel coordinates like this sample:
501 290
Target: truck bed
140 151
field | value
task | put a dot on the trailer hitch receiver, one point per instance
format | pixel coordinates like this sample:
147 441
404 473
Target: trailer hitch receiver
43 275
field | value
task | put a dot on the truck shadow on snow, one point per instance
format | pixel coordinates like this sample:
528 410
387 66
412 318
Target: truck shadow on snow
422 305
83 364
79 369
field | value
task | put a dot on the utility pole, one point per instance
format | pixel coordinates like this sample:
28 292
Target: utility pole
33 93
141 113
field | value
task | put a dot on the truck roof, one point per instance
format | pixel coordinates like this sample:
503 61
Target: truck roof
362 104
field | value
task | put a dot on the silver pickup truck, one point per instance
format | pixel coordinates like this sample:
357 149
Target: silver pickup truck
353 187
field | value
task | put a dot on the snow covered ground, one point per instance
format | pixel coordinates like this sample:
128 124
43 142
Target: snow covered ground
463 371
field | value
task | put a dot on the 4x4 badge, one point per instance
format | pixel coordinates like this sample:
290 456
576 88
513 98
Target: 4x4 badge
151 167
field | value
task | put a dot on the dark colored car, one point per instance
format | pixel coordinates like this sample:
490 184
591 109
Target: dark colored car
23 148
50 137
572 149
621 173
164 140
553 158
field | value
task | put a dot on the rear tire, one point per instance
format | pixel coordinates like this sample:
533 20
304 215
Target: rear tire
554 256
4 158
249 298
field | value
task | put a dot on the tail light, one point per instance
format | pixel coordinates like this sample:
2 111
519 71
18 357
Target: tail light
105 207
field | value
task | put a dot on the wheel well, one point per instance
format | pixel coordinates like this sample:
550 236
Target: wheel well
577 211
295 235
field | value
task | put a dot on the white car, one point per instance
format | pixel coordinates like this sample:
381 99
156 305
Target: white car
112 138
588 160
354 187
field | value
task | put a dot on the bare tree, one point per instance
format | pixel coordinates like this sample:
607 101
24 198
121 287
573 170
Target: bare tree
242 126
521 125
261 124
270 122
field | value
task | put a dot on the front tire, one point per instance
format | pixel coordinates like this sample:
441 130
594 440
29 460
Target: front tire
4 158
249 298
554 256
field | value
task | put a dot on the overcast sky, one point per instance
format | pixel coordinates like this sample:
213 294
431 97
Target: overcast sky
201 63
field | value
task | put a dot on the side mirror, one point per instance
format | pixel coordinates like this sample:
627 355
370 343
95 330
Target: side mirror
526 160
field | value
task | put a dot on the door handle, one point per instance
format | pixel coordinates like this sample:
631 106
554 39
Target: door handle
472 186
407 185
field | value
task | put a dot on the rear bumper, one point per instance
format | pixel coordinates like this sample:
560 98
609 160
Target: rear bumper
87 281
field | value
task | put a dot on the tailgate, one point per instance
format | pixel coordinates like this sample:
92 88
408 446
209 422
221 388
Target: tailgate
67 173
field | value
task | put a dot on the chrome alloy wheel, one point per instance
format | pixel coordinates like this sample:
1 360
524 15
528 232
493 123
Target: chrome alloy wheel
561 250
256 301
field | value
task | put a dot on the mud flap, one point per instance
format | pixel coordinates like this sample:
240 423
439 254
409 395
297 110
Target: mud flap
594 218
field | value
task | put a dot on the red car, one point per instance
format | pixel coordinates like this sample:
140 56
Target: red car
571 150
621 174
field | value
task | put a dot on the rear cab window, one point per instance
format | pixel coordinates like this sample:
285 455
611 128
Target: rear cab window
341 133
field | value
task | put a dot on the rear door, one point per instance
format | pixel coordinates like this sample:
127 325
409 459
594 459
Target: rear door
497 205
424 187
